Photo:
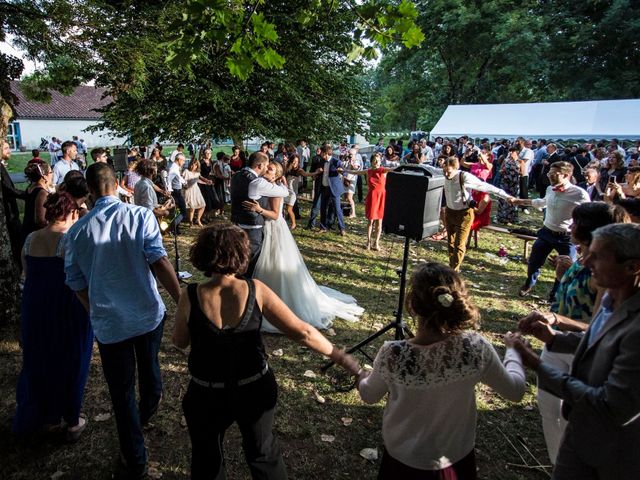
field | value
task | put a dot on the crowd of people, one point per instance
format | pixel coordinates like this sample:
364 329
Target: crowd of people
91 244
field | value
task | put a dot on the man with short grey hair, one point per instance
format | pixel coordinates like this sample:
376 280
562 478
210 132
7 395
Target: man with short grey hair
175 182
601 395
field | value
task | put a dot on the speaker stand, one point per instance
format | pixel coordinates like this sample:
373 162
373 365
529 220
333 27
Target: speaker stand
398 324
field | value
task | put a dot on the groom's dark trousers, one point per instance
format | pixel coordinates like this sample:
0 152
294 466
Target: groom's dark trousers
256 235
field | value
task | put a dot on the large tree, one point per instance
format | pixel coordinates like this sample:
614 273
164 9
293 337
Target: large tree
594 48
313 94
241 69
179 69
498 51
475 52
44 31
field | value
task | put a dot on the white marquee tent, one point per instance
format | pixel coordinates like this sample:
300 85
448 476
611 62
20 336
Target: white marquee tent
603 119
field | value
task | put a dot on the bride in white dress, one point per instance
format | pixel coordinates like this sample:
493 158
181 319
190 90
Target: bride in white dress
282 268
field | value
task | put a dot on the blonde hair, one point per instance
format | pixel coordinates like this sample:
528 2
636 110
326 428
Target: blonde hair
278 169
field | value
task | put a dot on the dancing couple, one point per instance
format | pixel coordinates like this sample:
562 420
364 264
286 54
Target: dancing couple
257 194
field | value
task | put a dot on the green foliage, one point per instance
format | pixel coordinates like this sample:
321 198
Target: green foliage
499 51
247 33
595 48
316 94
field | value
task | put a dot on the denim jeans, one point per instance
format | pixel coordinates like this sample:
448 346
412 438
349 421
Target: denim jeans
327 201
119 361
315 206
547 241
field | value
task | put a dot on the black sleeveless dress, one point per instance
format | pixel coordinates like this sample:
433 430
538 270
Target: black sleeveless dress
29 221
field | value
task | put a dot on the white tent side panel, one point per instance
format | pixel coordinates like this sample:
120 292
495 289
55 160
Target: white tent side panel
596 119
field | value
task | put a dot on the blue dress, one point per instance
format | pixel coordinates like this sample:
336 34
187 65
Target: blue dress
57 340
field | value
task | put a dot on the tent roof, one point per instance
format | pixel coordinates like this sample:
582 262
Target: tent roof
596 119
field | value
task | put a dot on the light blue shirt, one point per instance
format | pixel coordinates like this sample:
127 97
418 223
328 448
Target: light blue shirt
109 251
601 317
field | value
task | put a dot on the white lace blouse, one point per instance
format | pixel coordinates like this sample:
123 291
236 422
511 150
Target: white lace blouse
429 421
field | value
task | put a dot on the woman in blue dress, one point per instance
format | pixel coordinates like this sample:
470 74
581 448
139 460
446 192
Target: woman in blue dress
56 335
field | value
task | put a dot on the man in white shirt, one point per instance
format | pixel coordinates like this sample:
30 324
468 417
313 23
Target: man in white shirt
438 147
460 209
54 148
304 153
179 149
175 182
525 159
248 184
66 163
560 200
427 151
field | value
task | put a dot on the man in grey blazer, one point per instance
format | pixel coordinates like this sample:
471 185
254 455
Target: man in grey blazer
601 395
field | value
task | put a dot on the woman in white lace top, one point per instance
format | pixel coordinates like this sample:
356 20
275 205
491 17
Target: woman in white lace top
430 418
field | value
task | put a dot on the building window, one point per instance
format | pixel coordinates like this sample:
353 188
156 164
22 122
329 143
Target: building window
13 135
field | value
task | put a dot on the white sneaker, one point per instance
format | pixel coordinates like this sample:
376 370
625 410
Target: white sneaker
525 211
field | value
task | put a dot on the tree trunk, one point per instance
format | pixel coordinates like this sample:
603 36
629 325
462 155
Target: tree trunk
5 115
237 140
9 290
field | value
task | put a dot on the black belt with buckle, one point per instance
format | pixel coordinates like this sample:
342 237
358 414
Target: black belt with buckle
239 383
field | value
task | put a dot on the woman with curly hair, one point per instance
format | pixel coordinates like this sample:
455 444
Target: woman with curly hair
231 381
429 421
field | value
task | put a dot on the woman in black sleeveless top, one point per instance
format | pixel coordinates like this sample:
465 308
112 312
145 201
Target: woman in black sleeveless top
230 378
40 175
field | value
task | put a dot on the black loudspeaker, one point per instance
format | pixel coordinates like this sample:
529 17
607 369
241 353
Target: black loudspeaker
412 205
120 163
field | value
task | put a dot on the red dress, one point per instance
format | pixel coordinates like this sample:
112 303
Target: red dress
374 203
484 218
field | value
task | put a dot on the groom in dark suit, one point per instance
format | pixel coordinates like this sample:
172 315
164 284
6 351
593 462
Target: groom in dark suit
12 214
332 189
248 184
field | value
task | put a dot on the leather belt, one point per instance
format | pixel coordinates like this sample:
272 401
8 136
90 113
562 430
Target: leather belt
239 383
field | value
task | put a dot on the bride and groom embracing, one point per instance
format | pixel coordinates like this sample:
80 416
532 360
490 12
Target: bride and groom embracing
257 194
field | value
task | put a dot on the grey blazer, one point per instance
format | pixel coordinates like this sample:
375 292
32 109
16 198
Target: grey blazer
602 393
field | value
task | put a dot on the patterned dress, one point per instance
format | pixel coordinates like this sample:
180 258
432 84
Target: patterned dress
510 183
574 298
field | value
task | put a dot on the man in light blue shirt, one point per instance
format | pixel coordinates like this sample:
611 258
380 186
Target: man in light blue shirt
109 257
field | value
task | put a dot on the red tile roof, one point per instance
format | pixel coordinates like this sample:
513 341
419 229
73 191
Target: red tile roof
79 105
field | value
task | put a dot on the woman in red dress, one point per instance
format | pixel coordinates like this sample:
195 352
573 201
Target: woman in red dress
374 203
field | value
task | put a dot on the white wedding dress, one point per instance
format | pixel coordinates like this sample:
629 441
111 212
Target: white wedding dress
282 268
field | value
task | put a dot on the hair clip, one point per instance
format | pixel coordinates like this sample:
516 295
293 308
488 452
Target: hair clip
445 299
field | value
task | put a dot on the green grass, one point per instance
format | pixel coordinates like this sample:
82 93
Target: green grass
342 263
19 159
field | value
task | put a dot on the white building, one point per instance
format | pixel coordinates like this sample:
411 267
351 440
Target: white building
63 117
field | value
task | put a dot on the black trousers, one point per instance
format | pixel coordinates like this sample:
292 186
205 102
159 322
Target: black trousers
179 199
210 411
119 363
524 188
359 188
256 236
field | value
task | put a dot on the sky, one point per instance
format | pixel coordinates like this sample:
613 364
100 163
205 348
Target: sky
6 47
